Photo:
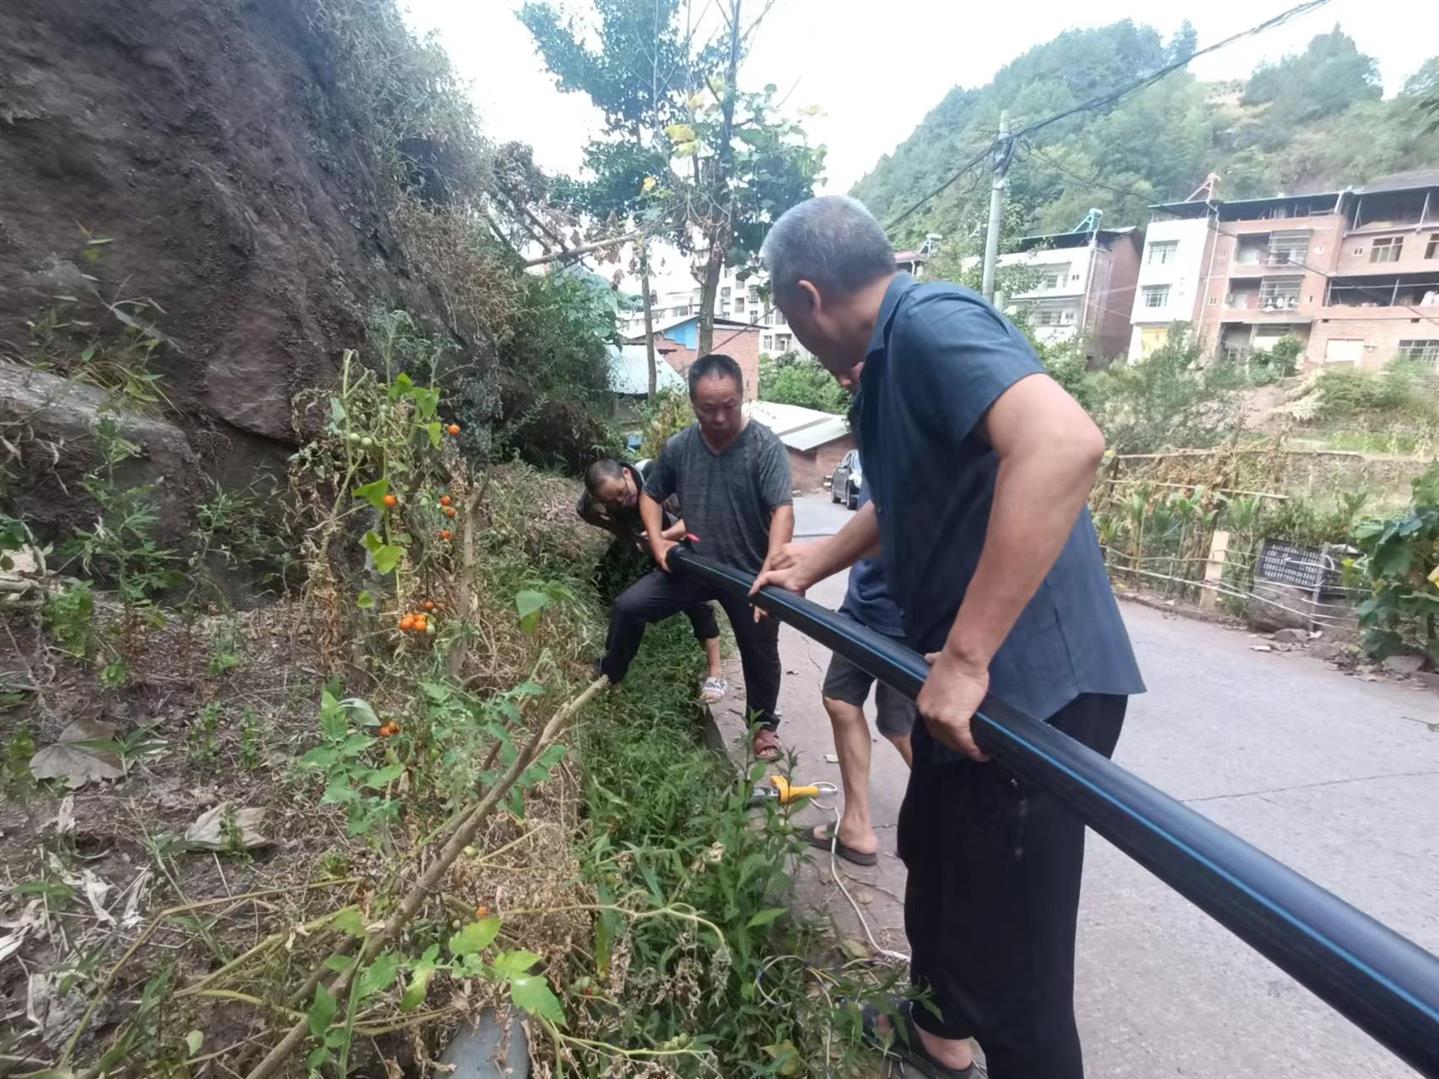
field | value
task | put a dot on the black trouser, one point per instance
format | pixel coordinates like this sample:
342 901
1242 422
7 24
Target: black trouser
992 899
657 595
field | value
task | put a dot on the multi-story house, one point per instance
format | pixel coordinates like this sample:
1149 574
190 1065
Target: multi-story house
1353 275
736 300
1078 286
1171 276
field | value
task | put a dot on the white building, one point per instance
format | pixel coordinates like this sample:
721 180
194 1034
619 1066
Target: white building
738 300
1171 278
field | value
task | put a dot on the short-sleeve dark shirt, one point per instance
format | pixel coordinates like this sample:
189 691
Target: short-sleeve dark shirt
728 497
939 358
867 599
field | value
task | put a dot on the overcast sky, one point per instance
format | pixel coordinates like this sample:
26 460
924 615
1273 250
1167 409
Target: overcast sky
876 67
880 66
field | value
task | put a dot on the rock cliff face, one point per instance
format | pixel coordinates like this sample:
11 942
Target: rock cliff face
191 137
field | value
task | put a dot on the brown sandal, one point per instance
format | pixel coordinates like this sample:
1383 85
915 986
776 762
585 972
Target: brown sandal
766 745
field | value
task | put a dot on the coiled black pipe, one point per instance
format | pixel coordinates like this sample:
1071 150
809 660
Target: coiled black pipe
1386 985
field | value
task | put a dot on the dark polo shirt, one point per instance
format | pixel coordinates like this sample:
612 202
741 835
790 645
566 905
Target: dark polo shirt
939 358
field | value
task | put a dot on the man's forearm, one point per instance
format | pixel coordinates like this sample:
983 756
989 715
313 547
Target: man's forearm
652 514
859 538
1037 497
781 529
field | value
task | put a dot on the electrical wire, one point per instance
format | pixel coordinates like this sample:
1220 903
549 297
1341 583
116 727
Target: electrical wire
1111 97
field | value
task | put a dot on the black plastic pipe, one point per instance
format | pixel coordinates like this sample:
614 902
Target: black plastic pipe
1383 983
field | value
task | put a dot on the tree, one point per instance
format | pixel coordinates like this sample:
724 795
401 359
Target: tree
637 74
1330 75
790 379
720 164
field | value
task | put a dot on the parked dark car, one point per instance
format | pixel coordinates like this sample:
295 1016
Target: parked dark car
845 481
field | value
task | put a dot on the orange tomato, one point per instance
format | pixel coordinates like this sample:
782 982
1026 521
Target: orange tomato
420 623
454 430
482 911
428 605
407 623
445 500
450 511
391 502
446 535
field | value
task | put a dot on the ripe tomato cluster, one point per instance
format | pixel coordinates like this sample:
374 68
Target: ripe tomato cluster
417 622
389 729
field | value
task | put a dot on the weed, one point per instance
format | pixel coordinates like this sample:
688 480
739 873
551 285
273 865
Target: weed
237 531
115 675
121 545
252 741
16 782
225 652
68 616
204 745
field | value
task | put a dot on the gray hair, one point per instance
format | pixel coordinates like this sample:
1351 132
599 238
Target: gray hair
832 241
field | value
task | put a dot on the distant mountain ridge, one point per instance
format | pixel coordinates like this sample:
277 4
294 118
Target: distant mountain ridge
1312 121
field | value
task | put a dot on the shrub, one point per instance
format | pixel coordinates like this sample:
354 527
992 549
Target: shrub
1170 399
1401 562
791 379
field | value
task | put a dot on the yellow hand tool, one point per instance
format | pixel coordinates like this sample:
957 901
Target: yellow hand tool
782 790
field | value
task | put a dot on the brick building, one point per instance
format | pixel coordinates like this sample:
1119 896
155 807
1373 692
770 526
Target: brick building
677 340
814 440
1352 274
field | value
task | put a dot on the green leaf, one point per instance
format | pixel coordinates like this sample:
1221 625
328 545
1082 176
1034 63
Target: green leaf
387 557
322 1011
532 993
378 976
365 601
475 937
436 433
764 917
426 401
529 603
337 411
513 964
338 964
680 133
374 493
358 710
383 777
785 1056
350 921
401 386
419 985
193 1041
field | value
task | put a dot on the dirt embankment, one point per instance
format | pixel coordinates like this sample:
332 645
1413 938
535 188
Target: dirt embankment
192 137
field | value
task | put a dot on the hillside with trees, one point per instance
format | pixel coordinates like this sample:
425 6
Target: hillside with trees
1310 121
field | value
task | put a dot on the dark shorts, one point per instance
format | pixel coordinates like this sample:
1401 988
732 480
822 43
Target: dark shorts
894 712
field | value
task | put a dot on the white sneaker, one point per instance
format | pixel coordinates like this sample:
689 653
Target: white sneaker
713 690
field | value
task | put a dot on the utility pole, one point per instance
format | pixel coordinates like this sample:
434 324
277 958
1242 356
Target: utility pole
1003 151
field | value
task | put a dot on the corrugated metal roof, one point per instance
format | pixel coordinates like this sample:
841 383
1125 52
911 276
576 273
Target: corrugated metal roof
679 320
630 372
1402 181
799 428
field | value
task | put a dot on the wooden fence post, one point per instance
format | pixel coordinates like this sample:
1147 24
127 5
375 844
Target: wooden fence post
1214 571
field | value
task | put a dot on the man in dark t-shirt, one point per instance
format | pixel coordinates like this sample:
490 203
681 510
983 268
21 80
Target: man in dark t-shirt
979 466
732 478
611 501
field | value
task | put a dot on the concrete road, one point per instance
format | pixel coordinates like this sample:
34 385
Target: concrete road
1333 775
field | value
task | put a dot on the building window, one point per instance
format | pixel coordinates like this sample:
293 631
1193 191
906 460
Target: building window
1420 351
767 342
782 341
1280 293
753 294
1432 251
724 292
778 318
739 305
1163 253
1287 249
1050 276
1156 295
1386 249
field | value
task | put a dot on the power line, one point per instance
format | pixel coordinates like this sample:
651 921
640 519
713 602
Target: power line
1090 181
1114 96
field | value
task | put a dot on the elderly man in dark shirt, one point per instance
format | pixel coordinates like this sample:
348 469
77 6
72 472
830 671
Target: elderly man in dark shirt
979 466
611 501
